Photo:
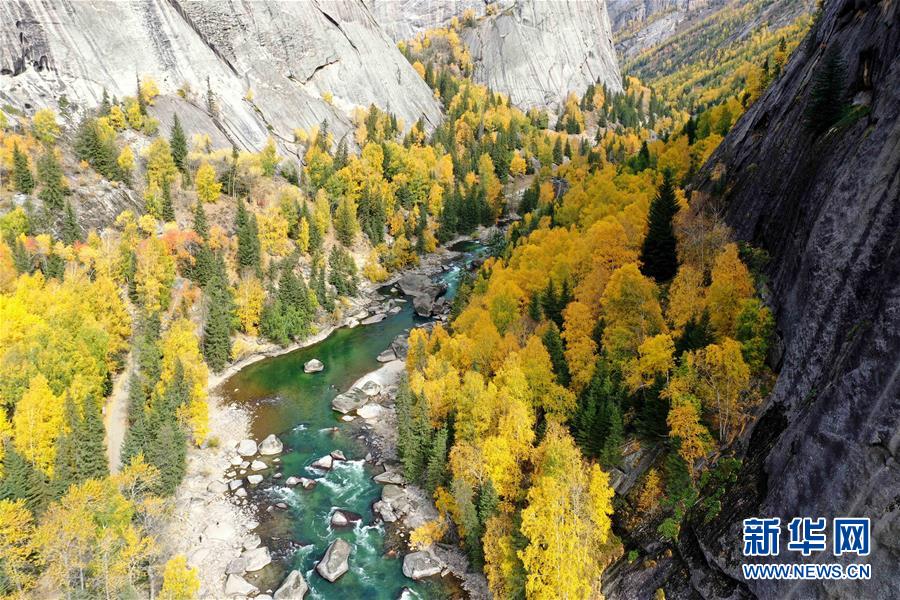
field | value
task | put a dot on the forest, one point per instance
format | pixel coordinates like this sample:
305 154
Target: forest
612 317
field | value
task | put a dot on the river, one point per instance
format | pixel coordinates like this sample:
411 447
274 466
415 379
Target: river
296 406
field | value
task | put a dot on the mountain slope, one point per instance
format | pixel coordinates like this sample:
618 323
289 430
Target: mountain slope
537 52
268 64
826 210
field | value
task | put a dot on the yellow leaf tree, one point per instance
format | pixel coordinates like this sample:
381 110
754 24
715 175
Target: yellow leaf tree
208 187
179 582
37 423
16 549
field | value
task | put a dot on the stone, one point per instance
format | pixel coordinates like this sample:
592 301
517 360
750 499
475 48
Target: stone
349 401
256 559
376 318
351 323
335 562
236 585
307 484
246 448
258 465
216 487
371 388
369 411
418 565
252 542
236 460
281 506
271 446
338 455
394 310
277 476
313 366
400 345
347 418
294 587
235 484
390 477
338 519
237 566
222 531
387 356
384 510
325 463
241 493
254 479
291 481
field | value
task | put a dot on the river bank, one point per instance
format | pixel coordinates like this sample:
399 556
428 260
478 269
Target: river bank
213 526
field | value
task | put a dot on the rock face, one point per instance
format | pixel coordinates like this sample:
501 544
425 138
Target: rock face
349 401
256 559
403 19
293 588
423 290
236 585
288 53
336 560
537 52
825 207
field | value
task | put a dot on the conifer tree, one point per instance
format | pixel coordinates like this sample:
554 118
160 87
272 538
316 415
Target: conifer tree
611 453
166 210
178 144
413 432
53 187
436 470
217 329
343 272
136 434
22 177
71 231
558 151
94 148
827 100
553 343
90 450
248 237
201 226
105 106
22 480
659 258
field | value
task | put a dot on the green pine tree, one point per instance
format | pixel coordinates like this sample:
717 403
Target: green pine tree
21 175
611 452
167 210
178 144
53 186
553 343
90 450
248 237
21 480
436 470
558 151
659 257
136 434
413 432
827 98
343 274
217 329
71 231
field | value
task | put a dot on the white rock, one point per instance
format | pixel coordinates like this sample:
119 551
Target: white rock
390 477
307 484
369 411
338 455
271 446
235 484
222 531
313 366
257 558
246 448
378 318
291 481
258 465
335 562
216 487
418 565
371 388
252 542
338 519
254 479
236 585
241 493
236 460
294 587
324 463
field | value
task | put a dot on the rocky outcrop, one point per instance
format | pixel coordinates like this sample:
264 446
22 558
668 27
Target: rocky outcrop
403 19
271 445
825 208
335 562
537 52
423 290
290 54
236 585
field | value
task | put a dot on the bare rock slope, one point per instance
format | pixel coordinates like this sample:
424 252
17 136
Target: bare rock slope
268 64
537 51
826 208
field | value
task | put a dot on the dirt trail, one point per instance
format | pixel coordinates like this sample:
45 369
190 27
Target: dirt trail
115 416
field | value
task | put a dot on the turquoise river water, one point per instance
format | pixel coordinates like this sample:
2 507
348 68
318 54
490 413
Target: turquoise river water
295 406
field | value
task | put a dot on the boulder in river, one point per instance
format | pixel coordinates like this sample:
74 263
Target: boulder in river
237 566
376 318
236 585
294 587
325 463
335 562
371 388
338 455
256 559
390 477
307 484
387 356
258 465
313 366
349 401
344 518
235 484
291 481
418 565
246 448
271 446
400 345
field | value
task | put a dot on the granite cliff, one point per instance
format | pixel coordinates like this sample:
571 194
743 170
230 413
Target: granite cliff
826 208
537 52
269 65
